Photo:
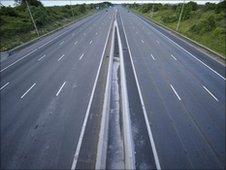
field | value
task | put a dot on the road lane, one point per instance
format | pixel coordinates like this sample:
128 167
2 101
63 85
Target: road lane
195 79
191 130
52 51
44 98
42 130
51 39
203 73
16 59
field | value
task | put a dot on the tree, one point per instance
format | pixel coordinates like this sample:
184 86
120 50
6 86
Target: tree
82 8
192 6
30 2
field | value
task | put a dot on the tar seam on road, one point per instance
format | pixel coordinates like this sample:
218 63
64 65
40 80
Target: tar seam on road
175 91
185 50
28 90
4 86
210 93
60 88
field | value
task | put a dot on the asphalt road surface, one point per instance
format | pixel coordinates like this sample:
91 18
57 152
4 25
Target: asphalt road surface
44 95
184 97
45 89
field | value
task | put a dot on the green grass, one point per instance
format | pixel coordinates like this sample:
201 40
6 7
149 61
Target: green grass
17 28
214 39
11 41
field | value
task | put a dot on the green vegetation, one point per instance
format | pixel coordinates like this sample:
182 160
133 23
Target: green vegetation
17 27
206 24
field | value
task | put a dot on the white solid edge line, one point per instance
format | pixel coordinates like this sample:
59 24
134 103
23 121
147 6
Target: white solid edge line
185 50
127 133
103 133
60 57
175 91
18 60
60 88
210 93
158 166
75 159
153 57
81 56
173 57
4 86
28 90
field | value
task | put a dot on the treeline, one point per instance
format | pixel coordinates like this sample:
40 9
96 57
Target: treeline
199 22
17 27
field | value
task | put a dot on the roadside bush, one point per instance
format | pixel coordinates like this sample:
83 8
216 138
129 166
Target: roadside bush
35 3
16 25
191 6
169 18
209 6
146 8
221 7
41 16
9 11
204 26
189 9
219 32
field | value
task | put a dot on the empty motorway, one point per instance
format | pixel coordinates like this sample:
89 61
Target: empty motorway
175 97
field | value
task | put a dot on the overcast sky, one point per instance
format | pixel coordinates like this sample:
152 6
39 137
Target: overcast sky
65 2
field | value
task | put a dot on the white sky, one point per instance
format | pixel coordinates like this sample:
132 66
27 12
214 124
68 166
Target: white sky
65 2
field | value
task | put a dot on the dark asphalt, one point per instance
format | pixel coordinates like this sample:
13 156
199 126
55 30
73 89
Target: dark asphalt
44 95
144 158
44 104
187 122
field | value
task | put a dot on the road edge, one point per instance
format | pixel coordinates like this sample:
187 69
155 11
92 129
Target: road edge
209 52
143 106
127 134
103 134
75 158
24 45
